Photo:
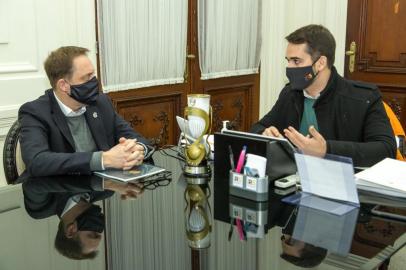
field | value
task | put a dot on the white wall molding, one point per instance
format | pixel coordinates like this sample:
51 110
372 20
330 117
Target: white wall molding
5 124
4 23
17 68
7 118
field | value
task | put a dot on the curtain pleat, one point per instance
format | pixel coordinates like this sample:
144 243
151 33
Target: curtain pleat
229 37
142 42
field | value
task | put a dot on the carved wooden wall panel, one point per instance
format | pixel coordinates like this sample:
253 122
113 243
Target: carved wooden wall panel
233 104
152 112
383 44
153 117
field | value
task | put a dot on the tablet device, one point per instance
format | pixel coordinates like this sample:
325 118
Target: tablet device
285 143
279 153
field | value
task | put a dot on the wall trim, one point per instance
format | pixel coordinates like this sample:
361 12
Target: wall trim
7 118
17 68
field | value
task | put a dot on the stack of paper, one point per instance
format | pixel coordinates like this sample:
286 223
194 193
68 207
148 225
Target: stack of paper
387 177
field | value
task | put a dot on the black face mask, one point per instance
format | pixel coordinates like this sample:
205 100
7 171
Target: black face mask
301 77
85 93
91 220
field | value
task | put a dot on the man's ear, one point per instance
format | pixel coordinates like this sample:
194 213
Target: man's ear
321 63
62 85
71 230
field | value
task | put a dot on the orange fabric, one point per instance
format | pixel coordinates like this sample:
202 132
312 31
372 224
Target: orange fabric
396 127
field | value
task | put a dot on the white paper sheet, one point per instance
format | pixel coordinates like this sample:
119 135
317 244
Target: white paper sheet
327 178
389 174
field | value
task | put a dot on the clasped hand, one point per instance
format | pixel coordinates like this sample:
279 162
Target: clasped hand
125 155
126 190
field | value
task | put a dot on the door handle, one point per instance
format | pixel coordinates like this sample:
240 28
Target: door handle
351 53
188 57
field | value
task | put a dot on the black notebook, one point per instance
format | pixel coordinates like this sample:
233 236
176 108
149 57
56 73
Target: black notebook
135 173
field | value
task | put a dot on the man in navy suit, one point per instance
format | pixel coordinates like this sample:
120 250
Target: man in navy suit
73 129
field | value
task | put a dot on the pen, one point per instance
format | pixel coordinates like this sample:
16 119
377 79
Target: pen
244 229
230 232
230 150
241 159
239 229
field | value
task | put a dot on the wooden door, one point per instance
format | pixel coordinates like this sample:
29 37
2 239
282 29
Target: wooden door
152 110
378 28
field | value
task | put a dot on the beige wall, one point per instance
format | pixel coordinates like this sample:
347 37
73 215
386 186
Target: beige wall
280 18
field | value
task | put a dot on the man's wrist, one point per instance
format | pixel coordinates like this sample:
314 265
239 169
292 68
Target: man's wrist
96 161
105 160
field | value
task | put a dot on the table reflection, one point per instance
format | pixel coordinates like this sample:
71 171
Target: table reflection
192 225
73 199
312 231
197 211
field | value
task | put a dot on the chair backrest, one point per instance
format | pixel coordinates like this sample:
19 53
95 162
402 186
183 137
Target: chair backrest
398 131
12 161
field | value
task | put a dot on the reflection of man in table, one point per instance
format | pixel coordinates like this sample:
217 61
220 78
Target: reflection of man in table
294 251
73 129
300 253
72 199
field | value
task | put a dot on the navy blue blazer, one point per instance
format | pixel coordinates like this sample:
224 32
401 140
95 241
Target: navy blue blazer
47 196
47 145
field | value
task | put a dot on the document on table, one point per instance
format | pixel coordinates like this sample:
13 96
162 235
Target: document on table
331 177
386 177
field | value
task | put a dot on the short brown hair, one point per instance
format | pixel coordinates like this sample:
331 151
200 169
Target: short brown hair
59 63
70 247
318 39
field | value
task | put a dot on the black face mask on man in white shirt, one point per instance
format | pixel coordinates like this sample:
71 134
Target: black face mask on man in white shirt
87 92
91 220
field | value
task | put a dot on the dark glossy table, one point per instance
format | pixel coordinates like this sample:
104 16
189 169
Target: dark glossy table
156 230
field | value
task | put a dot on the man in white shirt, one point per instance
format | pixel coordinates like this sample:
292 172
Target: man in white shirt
73 128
